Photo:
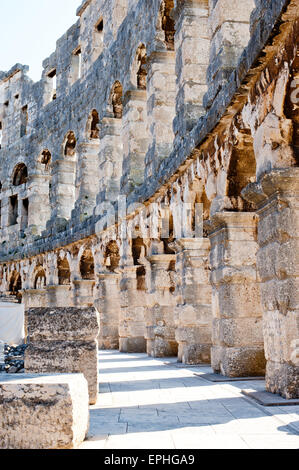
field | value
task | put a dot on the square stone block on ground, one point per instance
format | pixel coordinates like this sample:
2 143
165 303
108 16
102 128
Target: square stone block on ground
43 411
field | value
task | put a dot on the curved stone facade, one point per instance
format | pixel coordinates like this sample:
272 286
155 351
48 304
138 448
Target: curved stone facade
155 123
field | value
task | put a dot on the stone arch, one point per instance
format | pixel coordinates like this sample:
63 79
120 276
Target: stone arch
87 265
45 158
64 272
166 25
15 285
39 278
92 125
112 256
116 101
69 145
139 71
20 174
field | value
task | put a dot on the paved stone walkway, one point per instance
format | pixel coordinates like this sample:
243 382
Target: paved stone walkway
147 404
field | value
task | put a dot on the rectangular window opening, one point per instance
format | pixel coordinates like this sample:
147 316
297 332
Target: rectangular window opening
13 210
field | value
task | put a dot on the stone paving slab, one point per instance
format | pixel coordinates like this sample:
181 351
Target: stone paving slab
152 405
269 399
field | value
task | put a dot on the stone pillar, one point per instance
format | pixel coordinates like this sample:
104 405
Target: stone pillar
132 313
193 316
237 312
39 203
87 178
135 139
110 158
83 292
107 302
160 326
192 44
63 181
161 91
63 340
278 262
229 30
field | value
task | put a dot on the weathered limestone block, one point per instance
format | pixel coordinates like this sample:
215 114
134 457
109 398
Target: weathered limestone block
160 324
107 302
59 296
278 263
193 316
135 139
43 411
110 158
132 313
83 292
237 311
34 298
64 174
87 181
229 25
40 210
161 93
64 340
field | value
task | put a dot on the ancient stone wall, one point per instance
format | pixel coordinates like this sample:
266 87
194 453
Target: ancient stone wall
149 118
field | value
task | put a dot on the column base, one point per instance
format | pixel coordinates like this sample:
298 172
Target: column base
160 347
132 345
238 362
282 379
194 353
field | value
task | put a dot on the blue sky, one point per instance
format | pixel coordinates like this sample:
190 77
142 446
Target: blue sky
29 30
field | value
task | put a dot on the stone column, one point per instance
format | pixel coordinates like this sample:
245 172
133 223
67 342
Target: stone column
160 326
161 90
237 312
107 302
87 178
192 44
193 316
135 139
63 181
132 313
83 292
229 29
39 203
110 158
278 261
63 340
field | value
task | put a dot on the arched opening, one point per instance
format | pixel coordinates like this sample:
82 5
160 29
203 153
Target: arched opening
111 256
116 100
45 159
70 145
64 273
20 175
168 24
92 125
15 286
40 280
87 265
241 171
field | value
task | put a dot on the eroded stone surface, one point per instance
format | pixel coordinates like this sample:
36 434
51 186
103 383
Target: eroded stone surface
43 411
